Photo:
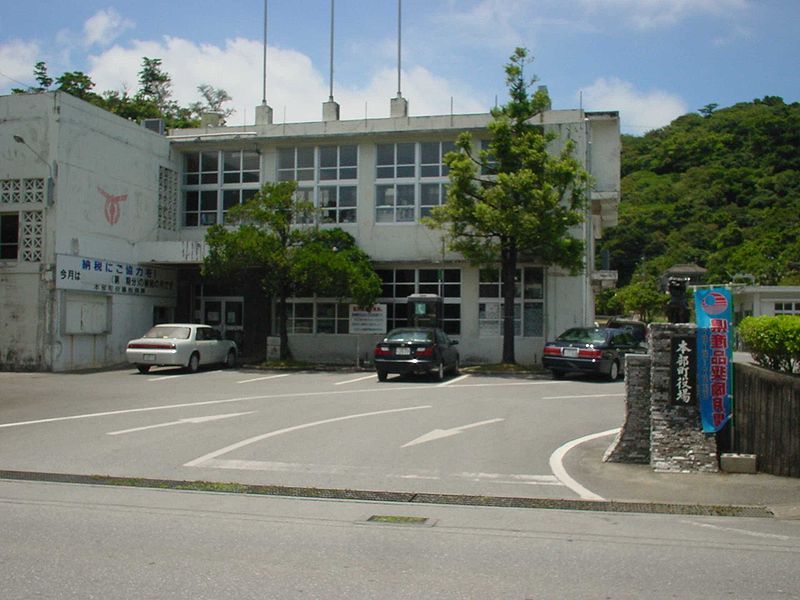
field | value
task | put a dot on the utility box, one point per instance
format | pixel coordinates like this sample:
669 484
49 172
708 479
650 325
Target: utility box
425 310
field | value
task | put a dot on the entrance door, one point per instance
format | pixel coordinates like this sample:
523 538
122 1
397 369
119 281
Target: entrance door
225 314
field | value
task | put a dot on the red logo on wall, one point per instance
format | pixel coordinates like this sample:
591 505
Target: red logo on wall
112 208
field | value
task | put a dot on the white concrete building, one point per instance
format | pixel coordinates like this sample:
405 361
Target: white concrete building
103 226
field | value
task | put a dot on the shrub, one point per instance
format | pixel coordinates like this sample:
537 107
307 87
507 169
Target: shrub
774 342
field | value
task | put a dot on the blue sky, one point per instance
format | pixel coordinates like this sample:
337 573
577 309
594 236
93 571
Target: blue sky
652 60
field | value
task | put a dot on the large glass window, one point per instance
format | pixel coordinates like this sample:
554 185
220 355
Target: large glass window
319 317
398 284
327 177
215 181
411 180
9 236
528 302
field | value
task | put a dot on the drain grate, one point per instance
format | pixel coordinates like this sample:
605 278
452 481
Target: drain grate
401 520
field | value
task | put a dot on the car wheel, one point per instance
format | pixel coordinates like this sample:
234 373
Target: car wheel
456 366
143 368
440 371
194 362
230 361
613 371
558 374
382 375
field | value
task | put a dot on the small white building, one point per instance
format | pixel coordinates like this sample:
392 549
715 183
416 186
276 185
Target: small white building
760 300
103 227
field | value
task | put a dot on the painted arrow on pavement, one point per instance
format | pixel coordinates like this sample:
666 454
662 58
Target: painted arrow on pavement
438 434
190 420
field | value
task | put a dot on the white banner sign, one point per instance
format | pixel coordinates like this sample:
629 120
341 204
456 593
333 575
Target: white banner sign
371 320
99 275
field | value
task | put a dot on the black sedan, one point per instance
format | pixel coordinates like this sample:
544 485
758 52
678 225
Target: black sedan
416 350
597 350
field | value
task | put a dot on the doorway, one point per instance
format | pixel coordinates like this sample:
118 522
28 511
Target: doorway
225 313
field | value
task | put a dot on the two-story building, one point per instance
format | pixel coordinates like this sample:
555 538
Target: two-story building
103 227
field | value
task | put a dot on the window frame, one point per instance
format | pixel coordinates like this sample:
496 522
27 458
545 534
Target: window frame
529 302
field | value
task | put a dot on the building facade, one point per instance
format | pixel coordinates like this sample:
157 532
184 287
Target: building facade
104 222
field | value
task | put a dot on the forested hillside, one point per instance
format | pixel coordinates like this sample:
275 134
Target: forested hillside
720 189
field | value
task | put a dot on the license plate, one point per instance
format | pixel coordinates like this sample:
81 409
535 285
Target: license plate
403 351
571 352
150 357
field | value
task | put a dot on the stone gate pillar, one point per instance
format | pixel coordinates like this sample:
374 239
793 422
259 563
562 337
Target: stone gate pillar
677 440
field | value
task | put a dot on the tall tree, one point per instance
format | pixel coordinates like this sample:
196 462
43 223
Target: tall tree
514 198
155 85
292 259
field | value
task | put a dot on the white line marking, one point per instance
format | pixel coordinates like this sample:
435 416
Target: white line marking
318 469
169 377
190 420
372 376
773 536
199 461
582 396
438 434
263 378
449 381
557 466
382 389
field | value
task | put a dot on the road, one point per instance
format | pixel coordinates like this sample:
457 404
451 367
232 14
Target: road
66 541
497 436
468 435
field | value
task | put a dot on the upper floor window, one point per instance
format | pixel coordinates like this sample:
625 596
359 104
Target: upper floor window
215 181
412 180
9 236
326 177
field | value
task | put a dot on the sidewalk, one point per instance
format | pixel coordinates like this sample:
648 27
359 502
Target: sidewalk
640 483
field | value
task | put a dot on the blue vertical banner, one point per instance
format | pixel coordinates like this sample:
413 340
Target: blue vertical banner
713 308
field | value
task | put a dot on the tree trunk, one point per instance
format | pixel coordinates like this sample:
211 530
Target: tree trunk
508 266
282 325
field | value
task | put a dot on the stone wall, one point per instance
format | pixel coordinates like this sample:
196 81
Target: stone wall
632 444
675 438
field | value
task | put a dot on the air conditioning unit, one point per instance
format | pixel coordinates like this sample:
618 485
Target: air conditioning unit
154 125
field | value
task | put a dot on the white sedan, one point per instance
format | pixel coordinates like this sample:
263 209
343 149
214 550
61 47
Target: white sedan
182 345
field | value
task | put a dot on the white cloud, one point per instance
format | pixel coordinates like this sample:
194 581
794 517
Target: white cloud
17 59
295 88
652 14
639 111
104 27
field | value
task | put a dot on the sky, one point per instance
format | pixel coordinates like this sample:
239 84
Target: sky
651 60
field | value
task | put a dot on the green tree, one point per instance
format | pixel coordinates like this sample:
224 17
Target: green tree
292 259
155 85
641 297
514 198
213 99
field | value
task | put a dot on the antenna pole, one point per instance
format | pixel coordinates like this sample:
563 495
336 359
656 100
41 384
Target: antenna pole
331 68
399 43
264 73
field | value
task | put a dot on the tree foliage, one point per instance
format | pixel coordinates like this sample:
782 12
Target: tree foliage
152 100
292 260
721 190
517 198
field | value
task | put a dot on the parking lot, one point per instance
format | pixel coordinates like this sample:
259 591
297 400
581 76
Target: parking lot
339 429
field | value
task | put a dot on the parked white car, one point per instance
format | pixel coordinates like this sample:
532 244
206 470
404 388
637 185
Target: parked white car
182 345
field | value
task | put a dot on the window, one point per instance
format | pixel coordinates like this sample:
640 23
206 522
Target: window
432 158
327 178
412 179
787 308
528 303
320 317
215 181
9 236
398 284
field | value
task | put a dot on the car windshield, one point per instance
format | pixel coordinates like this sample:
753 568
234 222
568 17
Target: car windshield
172 333
583 335
409 335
